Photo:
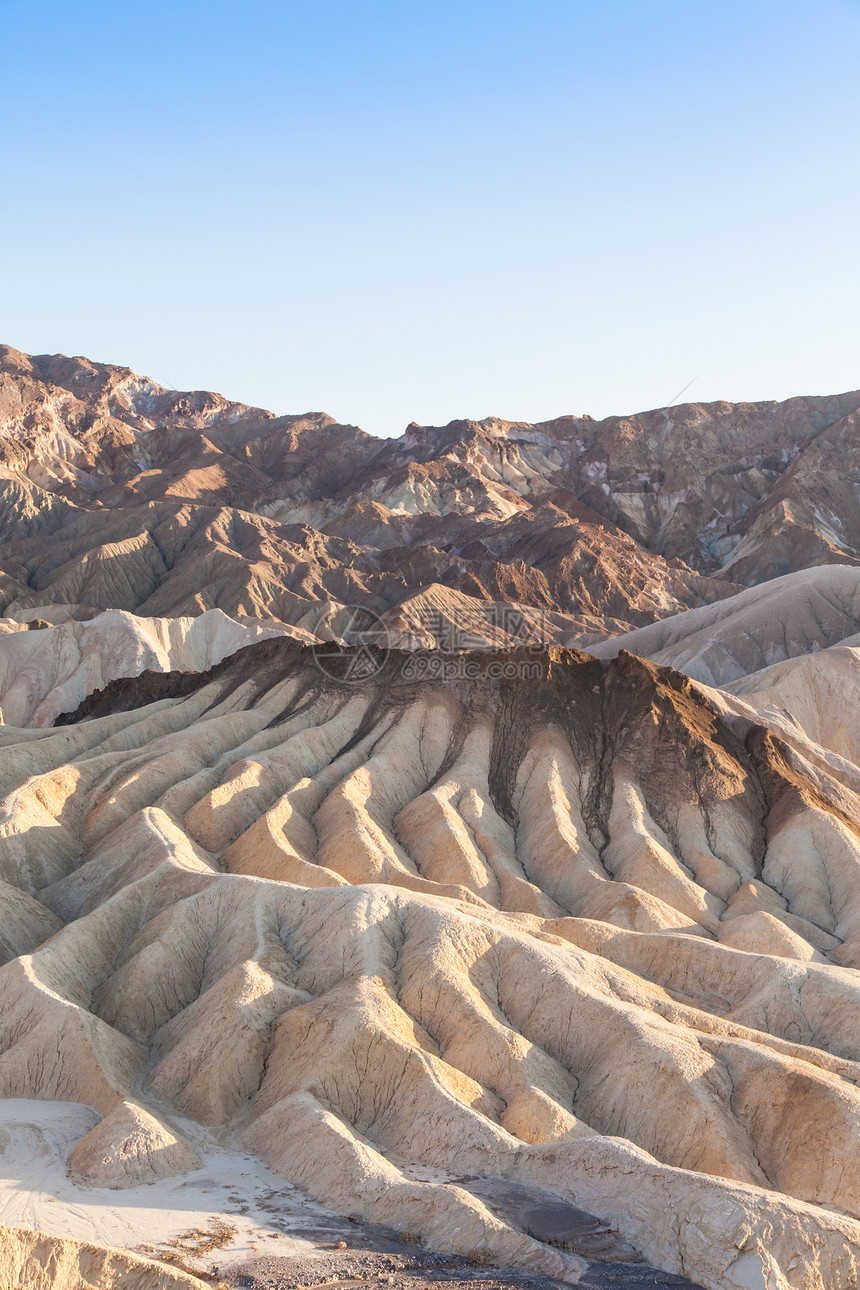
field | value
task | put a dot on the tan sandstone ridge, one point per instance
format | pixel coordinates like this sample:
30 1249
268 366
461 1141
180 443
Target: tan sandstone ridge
720 645
34 1261
594 932
167 504
818 692
47 672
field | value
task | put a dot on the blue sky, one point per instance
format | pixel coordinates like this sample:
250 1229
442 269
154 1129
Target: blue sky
419 210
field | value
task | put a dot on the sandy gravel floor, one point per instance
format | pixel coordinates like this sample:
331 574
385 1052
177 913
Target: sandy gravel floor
232 1222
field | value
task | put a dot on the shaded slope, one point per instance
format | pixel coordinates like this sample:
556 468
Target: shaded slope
819 692
719 644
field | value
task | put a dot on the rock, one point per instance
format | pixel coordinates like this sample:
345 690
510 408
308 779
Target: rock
548 1218
40 1262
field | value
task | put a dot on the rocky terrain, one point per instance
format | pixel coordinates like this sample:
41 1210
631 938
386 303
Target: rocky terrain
787 618
358 924
168 504
50 670
591 931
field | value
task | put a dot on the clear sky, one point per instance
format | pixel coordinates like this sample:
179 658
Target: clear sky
398 210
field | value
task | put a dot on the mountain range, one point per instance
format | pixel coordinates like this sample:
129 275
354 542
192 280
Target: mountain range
166 504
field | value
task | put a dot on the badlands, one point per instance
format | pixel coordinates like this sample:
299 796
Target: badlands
445 848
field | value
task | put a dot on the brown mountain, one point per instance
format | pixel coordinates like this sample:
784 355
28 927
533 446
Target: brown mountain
167 503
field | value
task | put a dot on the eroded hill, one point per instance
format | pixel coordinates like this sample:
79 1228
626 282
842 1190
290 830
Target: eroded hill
584 927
